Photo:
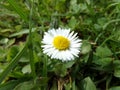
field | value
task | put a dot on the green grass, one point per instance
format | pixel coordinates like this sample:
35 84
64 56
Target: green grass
23 66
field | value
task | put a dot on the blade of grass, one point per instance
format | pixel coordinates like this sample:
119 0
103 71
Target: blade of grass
44 71
12 64
110 37
108 23
17 9
30 42
45 66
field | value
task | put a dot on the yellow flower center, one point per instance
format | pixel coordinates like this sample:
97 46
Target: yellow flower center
61 43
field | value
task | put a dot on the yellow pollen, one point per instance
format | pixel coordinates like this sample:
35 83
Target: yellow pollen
61 43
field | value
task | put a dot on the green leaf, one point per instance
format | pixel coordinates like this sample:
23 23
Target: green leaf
4 41
115 88
117 36
68 86
103 62
97 26
74 6
5 32
2 53
60 69
11 42
103 52
24 31
117 72
12 52
25 86
88 2
86 47
72 22
26 69
116 65
87 84
69 64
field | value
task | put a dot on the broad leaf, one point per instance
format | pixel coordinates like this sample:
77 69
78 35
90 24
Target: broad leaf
26 69
117 72
25 86
86 47
103 52
60 70
12 52
115 88
103 62
87 84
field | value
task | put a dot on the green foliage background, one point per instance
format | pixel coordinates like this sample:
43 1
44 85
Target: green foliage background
23 66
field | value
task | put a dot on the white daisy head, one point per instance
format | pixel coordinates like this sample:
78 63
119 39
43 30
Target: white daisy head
61 44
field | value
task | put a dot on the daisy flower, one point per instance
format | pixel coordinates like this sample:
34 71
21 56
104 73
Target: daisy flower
61 44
